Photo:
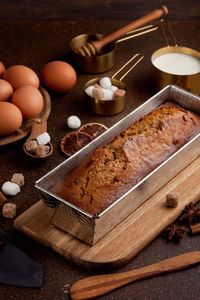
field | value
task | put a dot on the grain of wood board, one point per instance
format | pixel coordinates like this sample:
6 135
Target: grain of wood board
127 239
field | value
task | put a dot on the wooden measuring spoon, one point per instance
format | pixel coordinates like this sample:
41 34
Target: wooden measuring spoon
39 125
94 286
95 47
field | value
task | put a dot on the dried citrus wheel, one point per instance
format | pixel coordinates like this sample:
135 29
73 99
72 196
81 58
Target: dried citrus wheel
74 141
93 129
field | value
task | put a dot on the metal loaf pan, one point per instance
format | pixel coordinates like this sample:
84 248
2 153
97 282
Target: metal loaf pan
91 228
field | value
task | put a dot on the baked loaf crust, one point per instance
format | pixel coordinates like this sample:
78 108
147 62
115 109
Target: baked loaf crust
117 166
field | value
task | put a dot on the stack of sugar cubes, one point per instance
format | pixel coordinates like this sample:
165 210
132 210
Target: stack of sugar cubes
39 146
104 90
11 188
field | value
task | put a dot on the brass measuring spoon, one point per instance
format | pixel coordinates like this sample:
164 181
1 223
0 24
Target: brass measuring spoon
116 105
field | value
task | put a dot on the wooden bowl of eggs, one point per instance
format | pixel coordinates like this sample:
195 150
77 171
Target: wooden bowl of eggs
21 101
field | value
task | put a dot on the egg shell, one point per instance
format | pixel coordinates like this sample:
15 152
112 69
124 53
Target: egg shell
6 90
19 75
29 100
10 118
2 69
58 76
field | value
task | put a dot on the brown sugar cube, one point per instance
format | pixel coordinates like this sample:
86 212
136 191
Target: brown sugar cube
18 178
42 150
172 199
9 210
98 92
119 93
31 146
3 199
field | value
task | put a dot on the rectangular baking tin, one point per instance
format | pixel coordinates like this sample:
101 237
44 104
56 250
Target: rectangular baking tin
91 228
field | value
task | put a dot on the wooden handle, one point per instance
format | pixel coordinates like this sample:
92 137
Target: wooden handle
37 128
101 284
155 14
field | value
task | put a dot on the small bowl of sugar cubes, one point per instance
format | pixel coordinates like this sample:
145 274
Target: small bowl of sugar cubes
105 96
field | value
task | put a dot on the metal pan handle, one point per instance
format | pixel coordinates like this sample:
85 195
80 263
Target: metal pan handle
136 58
163 26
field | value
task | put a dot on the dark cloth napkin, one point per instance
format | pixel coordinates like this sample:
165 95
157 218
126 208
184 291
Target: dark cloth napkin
16 268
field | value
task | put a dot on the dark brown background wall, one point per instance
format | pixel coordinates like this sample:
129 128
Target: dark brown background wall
95 9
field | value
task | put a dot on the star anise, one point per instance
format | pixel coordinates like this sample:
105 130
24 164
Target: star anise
190 214
175 232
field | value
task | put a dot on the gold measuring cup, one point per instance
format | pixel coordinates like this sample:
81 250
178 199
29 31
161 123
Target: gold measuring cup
176 65
115 106
105 61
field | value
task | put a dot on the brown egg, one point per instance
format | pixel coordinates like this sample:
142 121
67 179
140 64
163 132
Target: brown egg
6 90
59 76
19 75
10 118
2 69
29 100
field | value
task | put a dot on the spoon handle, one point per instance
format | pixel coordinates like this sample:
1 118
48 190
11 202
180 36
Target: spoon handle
94 286
155 14
37 128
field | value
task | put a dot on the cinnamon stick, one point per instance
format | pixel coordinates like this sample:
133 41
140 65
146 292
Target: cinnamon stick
194 229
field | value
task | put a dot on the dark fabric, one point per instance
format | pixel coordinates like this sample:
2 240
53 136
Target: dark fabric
16 268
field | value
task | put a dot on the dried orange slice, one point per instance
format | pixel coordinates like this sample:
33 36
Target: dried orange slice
93 129
74 141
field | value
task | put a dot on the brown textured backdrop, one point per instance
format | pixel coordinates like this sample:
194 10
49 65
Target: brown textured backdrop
95 9
44 35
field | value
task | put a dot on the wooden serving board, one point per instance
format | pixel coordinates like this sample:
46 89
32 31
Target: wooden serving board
25 129
126 240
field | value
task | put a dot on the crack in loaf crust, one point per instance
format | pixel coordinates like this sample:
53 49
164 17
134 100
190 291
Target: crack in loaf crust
117 166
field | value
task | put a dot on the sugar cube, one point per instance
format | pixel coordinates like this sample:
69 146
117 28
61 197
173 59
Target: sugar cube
18 178
43 138
73 122
9 210
10 188
105 82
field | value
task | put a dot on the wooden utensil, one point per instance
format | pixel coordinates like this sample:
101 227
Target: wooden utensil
94 286
95 47
39 125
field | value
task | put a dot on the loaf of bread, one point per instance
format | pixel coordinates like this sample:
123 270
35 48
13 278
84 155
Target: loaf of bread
117 166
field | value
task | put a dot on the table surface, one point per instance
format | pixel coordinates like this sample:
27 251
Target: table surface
33 39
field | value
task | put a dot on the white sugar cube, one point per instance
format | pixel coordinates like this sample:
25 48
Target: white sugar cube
113 88
107 94
43 138
73 122
105 82
10 188
89 90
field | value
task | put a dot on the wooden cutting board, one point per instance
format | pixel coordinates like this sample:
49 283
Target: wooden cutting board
126 240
